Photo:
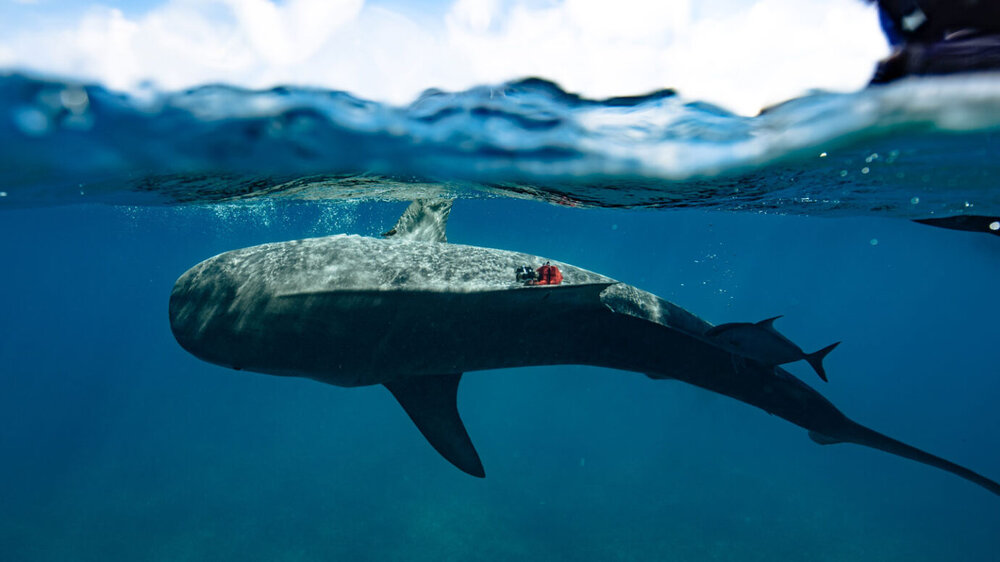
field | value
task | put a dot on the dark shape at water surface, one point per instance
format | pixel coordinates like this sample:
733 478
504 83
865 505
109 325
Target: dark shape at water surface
960 53
970 223
414 313
937 37
929 20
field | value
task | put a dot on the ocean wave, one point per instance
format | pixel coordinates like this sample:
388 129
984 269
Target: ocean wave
916 148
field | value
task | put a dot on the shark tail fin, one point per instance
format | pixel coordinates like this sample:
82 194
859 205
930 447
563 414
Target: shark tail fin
430 401
816 359
856 433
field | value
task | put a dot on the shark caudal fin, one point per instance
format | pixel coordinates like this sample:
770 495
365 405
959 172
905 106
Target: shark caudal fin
431 402
816 360
860 435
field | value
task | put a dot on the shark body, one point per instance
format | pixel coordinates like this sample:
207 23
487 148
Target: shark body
414 314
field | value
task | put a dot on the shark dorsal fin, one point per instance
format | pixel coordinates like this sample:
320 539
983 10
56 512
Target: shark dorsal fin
431 402
768 323
425 220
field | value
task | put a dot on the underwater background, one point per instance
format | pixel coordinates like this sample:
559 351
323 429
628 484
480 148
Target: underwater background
118 445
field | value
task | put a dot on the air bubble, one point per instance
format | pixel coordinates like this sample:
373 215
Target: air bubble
843 173
994 226
914 200
75 100
873 242
32 121
822 155
865 170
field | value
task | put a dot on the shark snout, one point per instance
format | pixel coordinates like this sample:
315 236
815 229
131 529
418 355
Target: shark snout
197 309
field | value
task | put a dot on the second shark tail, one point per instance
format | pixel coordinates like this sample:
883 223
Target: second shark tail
861 435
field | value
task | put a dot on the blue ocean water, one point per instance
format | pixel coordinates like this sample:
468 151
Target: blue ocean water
117 444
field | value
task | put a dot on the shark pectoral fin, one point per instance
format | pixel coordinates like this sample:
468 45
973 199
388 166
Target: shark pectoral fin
431 402
823 439
425 220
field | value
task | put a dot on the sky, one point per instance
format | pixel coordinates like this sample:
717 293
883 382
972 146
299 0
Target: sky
739 54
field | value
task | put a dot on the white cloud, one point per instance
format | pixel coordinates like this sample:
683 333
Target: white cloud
758 55
6 56
743 57
294 32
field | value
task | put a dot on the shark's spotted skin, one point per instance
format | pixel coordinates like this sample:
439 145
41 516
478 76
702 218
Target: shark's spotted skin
414 313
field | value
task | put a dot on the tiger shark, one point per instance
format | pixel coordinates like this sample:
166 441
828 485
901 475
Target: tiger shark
412 312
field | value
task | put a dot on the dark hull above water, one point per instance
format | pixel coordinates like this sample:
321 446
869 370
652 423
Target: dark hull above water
961 54
413 315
